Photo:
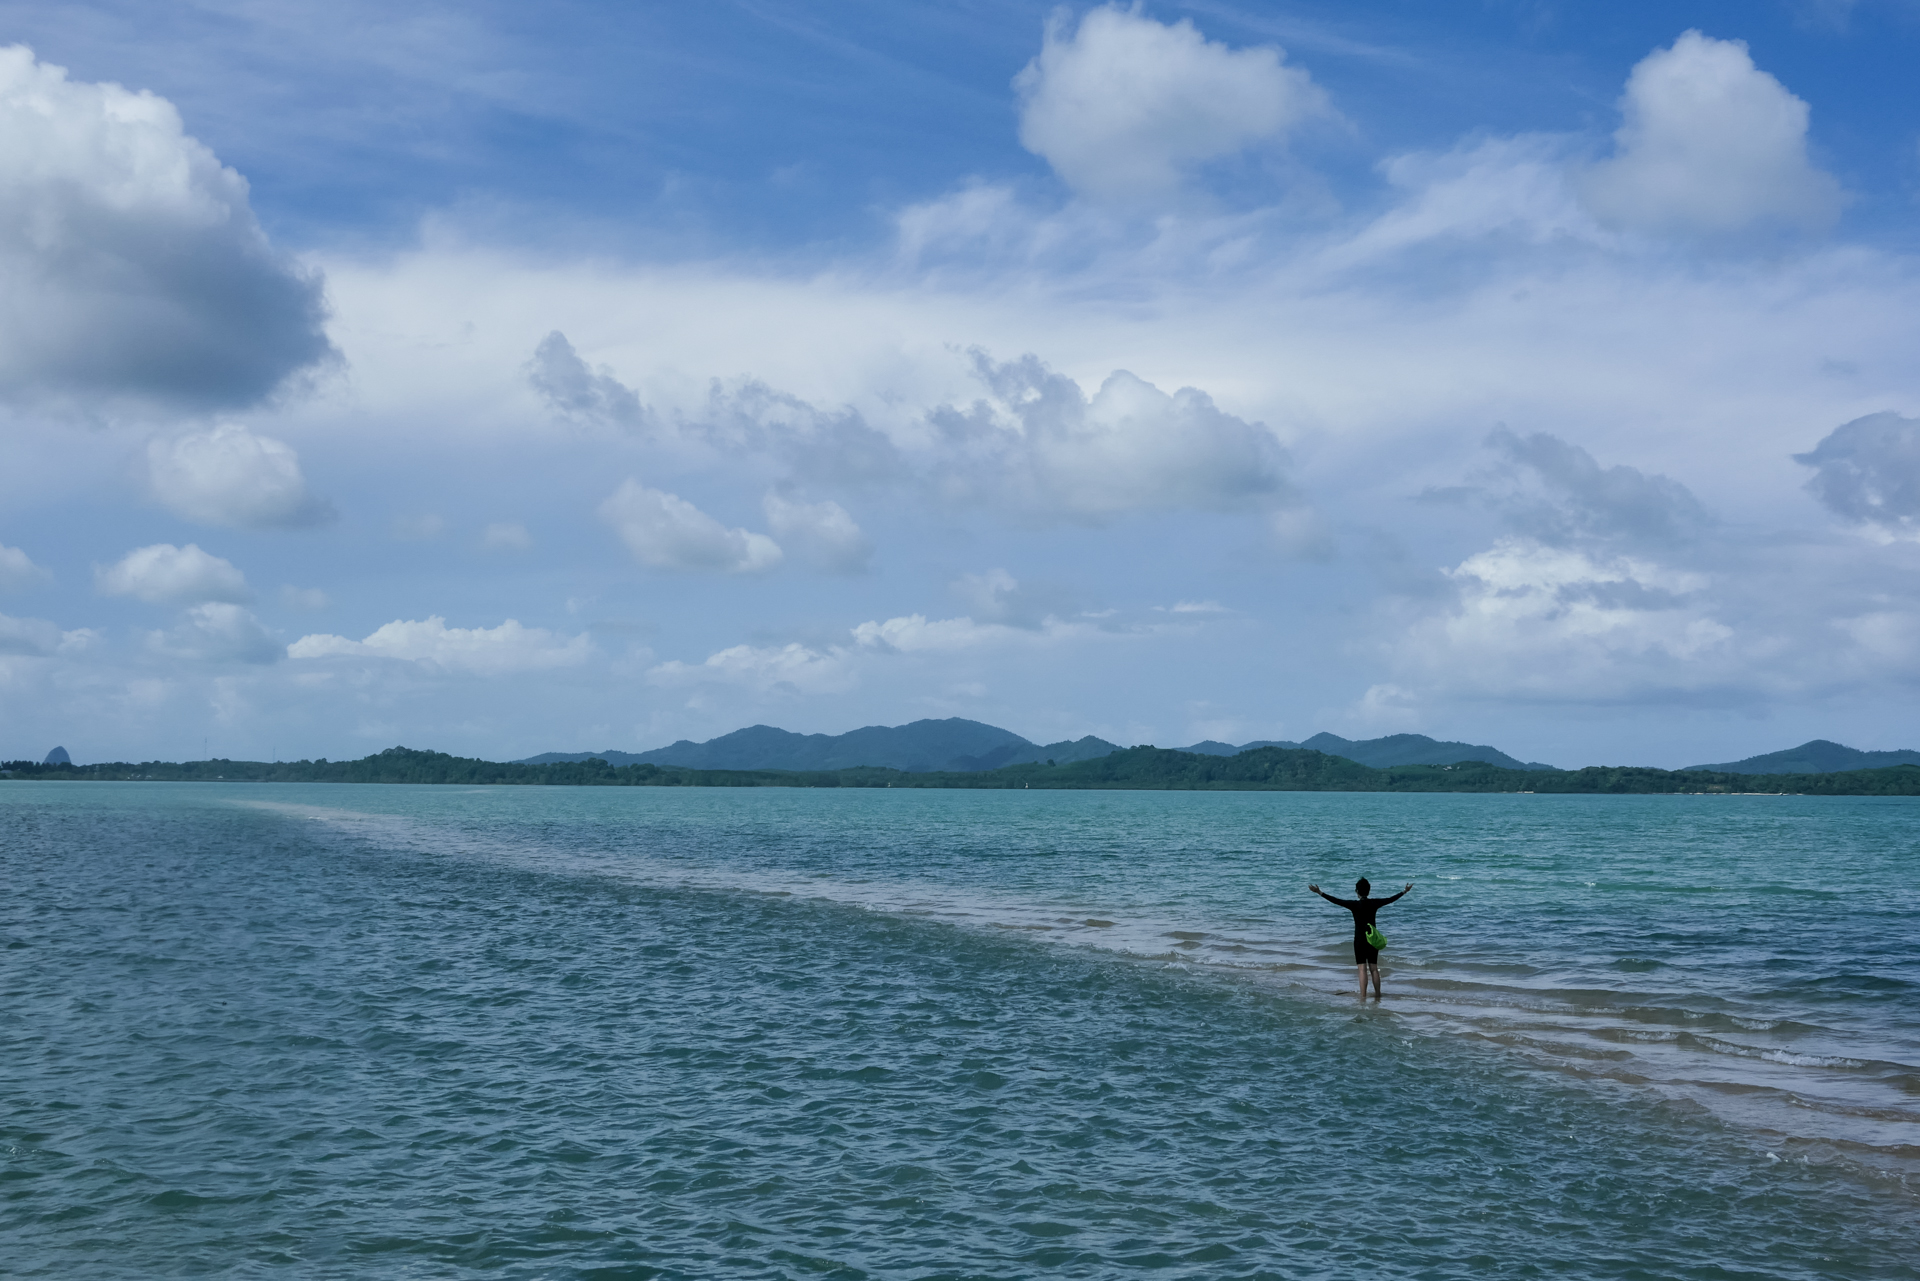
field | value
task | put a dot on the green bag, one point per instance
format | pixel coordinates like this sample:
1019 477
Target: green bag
1375 939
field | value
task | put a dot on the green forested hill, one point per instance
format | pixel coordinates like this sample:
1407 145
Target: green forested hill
1820 756
1139 768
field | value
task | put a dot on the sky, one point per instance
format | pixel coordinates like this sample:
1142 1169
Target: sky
501 379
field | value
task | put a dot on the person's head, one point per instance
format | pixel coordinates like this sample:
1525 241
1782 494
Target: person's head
1364 886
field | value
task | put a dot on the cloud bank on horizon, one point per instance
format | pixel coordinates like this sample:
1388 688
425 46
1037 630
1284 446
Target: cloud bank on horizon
1156 373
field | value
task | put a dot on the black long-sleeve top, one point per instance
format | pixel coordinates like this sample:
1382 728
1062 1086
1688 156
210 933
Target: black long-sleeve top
1363 909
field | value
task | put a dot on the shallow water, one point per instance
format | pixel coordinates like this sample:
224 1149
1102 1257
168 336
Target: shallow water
335 1030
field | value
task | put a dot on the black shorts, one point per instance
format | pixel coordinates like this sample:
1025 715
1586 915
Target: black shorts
1365 954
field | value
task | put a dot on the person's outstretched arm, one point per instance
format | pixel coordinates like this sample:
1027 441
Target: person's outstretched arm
1401 894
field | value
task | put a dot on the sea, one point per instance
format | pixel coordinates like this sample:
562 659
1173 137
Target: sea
521 1032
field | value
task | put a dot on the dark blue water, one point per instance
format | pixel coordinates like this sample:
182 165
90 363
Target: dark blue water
338 1031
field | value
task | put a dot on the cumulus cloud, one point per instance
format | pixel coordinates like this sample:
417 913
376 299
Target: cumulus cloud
1035 443
217 632
1868 471
1039 443
1123 107
741 418
1566 497
749 419
821 532
573 389
666 531
17 570
229 476
480 651
1553 624
165 574
1709 144
131 264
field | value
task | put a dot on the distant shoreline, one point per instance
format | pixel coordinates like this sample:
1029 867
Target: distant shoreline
1266 769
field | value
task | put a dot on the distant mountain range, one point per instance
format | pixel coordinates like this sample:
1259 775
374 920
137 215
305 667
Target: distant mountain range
1380 753
924 747
964 746
1817 757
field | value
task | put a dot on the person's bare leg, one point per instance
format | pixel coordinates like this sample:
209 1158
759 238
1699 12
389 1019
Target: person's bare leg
1363 980
1375 971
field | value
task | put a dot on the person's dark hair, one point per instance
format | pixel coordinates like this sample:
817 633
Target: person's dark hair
1363 885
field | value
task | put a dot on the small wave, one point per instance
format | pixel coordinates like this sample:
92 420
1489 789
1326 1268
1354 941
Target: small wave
1787 1057
1640 1035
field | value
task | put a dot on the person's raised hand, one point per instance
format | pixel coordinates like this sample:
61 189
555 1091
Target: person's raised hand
1314 888
1409 886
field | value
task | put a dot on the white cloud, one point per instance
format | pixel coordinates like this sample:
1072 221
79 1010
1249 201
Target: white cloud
130 261
666 531
229 476
1710 144
1042 445
1035 443
1513 187
17 570
979 215
916 633
506 535
218 632
165 574
1536 623
793 668
1123 106
835 668
483 651
821 532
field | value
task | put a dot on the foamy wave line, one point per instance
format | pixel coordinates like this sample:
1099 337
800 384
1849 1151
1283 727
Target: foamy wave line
1787 1057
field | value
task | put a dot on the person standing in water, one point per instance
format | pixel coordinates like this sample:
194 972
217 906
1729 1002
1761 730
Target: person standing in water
1366 957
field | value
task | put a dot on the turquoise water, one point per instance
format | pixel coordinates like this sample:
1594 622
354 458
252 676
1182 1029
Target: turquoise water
329 1031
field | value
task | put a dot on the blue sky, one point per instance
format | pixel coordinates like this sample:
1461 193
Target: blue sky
503 380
